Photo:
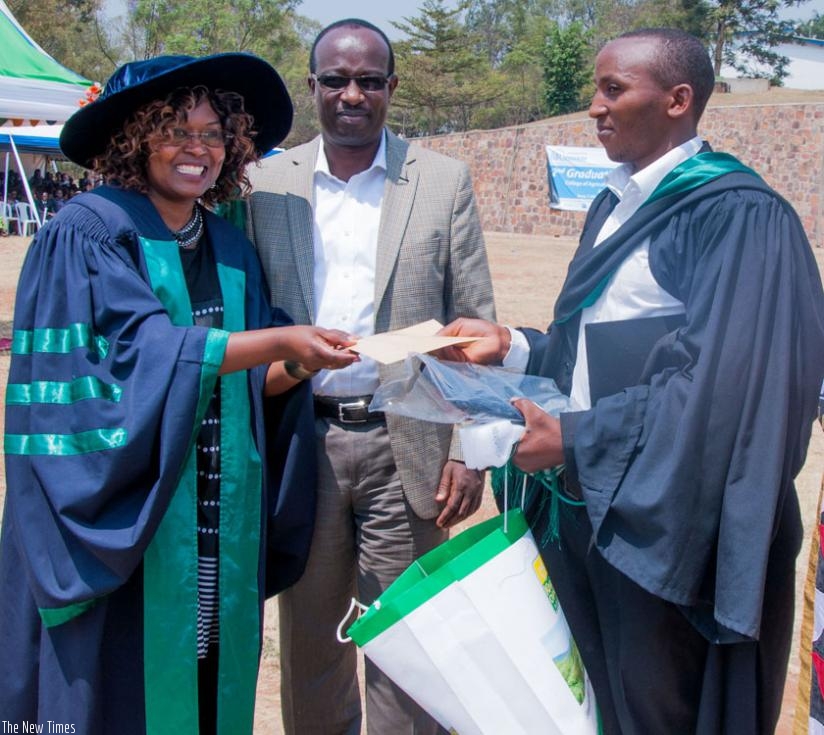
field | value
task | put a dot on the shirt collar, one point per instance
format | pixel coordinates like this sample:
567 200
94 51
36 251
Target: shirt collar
620 180
378 162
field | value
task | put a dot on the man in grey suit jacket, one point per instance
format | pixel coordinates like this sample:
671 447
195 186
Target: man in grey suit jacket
361 231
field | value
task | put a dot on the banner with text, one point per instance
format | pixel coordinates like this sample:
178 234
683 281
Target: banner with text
576 174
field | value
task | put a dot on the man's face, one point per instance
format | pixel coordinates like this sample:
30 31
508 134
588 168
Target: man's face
351 117
629 106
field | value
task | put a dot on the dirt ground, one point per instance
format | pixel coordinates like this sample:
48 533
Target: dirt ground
527 273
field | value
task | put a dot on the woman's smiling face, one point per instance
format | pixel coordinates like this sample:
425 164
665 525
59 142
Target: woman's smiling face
180 173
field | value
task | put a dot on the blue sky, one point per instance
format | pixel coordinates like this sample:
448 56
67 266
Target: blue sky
328 11
803 12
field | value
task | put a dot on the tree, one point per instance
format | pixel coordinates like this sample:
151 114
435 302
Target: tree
813 28
744 34
488 21
523 67
71 31
511 35
199 27
603 20
501 25
294 68
443 80
566 68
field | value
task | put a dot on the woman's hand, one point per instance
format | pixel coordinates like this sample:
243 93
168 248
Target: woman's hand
316 348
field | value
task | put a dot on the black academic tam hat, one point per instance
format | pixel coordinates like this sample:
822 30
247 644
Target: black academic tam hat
88 131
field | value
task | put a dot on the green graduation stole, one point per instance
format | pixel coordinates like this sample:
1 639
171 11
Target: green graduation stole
170 562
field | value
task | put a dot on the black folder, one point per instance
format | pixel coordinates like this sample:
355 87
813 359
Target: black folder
617 351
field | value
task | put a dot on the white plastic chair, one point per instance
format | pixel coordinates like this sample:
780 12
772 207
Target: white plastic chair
26 217
9 216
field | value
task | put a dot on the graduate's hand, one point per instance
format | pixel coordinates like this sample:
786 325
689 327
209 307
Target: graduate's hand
541 446
316 348
491 350
460 491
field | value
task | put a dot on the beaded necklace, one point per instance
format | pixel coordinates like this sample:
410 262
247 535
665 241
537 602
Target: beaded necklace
189 235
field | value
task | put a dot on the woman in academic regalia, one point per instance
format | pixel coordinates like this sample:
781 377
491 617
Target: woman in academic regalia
152 502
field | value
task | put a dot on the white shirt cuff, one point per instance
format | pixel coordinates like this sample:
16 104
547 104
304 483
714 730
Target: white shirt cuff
518 355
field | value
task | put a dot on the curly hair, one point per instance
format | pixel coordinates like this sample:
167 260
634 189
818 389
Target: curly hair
124 162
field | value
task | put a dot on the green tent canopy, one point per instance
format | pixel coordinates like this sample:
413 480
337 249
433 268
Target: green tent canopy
33 86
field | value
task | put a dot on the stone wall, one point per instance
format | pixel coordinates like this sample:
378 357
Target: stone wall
783 142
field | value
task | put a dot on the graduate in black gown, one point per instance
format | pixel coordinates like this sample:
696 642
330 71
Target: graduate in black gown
159 435
690 331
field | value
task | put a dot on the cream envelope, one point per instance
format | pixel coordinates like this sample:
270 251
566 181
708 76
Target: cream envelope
394 346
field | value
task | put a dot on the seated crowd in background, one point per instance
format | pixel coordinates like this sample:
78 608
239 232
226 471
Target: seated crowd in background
50 191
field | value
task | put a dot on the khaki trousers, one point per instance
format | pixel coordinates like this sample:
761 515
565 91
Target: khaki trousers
365 536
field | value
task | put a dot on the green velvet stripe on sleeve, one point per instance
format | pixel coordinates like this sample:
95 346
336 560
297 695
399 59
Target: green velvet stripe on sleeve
64 445
58 341
62 393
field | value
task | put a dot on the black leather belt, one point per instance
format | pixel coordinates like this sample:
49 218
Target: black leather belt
348 410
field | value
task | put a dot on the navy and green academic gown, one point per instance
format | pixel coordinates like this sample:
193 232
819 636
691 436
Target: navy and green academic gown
677 574
98 555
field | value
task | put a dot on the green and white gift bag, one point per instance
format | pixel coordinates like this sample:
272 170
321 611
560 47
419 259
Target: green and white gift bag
474 633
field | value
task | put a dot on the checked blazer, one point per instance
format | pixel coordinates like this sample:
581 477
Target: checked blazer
431 264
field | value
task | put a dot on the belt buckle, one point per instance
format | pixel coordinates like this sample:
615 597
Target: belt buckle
352 405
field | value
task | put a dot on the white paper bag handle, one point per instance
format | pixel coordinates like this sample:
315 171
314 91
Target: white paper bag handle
523 492
352 606
506 498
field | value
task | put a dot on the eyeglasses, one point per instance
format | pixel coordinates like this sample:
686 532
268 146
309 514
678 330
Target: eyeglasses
209 138
339 82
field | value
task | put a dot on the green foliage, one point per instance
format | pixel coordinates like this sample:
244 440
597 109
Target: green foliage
566 68
813 28
523 69
293 67
501 25
443 82
744 34
72 31
198 27
606 19
476 63
510 36
513 36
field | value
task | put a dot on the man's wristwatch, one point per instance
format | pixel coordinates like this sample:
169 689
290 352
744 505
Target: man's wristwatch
297 371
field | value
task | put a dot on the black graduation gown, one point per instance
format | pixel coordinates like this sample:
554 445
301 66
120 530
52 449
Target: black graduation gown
691 521
109 380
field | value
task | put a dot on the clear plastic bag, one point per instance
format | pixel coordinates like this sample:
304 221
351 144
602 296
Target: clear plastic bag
459 392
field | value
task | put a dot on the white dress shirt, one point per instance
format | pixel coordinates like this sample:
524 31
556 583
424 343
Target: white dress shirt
632 292
347 220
